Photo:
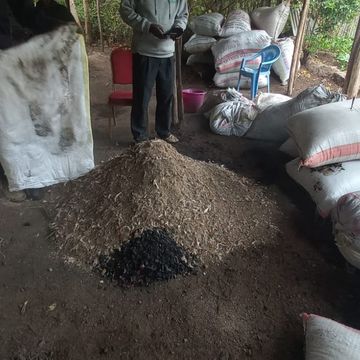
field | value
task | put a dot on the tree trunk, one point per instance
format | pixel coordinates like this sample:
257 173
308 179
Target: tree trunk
87 22
298 45
99 24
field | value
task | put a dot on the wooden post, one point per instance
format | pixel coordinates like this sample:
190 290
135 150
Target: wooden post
99 24
298 45
75 14
175 106
354 81
350 67
87 22
180 104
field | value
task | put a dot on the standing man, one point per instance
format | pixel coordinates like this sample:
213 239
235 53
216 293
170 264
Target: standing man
156 25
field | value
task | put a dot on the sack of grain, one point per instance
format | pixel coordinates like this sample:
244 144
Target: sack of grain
207 24
326 184
289 148
270 124
264 100
349 246
231 80
329 340
282 65
228 53
199 44
201 58
271 19
346 221
346 215
327 134
236 22
232 118
216 97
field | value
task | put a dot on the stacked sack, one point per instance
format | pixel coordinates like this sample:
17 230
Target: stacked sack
327 139
225 42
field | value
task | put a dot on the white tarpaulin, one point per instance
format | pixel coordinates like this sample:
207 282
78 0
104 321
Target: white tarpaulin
45 127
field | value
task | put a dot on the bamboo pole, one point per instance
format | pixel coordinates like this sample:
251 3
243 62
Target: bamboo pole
99 24
180 104
298 45
350 67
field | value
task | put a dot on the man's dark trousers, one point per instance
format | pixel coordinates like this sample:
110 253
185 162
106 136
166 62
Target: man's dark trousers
146 72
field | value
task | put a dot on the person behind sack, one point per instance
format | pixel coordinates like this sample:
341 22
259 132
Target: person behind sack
156 24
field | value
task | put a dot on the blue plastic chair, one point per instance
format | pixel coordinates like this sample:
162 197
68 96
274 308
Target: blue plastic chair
268 56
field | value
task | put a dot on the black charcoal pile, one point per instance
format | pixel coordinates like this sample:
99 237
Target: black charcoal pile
152 256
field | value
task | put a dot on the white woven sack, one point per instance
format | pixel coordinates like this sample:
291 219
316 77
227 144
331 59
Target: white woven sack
228 53
328 183
282 65
201 58
346 215
236 22
207 24
327 134
231 80
264 100
270 124
289 148
349 246
232 118
271 19
329 340
199 44
216 97
45 124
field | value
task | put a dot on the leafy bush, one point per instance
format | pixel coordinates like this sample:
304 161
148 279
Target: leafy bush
339 46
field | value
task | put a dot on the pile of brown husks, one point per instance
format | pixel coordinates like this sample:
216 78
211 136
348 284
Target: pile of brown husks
208 210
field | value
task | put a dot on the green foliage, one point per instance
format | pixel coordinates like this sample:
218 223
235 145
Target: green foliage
339 46
330 14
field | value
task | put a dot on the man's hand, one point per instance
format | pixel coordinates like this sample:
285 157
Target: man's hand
157 31
176 32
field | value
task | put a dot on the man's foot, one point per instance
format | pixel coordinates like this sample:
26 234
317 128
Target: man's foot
138 141
171 139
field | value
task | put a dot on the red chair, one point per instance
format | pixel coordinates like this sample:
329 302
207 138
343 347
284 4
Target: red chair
121 67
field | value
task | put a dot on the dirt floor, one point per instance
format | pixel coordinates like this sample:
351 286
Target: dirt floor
247 306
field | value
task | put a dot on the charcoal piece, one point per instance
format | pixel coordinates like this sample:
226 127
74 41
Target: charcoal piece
152 256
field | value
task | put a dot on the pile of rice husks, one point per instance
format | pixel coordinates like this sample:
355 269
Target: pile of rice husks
208 210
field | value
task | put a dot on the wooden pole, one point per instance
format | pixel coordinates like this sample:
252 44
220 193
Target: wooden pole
298 45
354 81
355 47
175 113
87 22
180 104
99 24
75 14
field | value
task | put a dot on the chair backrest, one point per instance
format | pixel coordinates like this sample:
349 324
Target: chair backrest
121 66
269 55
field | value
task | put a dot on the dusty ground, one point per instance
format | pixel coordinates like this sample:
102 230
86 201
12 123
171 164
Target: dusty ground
248 306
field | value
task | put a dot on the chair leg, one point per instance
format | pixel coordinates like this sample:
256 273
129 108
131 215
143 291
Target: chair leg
113 114
110 127
238 84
